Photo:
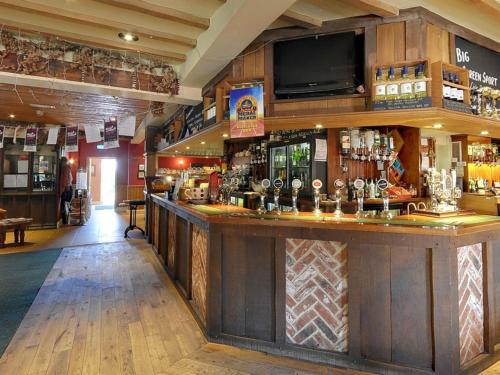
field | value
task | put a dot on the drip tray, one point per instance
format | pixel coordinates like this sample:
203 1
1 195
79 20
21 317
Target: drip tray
443 214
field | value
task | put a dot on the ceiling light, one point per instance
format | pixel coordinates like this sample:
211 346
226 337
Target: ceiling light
202 142
128 37
176 151
12 115
485 132
437 126
318 126
225 135
187 147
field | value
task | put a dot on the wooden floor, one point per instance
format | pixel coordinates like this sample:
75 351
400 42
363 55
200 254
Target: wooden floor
109 309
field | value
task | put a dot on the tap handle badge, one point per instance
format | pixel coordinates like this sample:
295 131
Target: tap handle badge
382 184
266 183
359 184
339 184
296 183
278 183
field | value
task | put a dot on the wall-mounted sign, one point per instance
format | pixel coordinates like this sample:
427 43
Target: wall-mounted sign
71 143
483 63
2 129
246 112
111 134
193 120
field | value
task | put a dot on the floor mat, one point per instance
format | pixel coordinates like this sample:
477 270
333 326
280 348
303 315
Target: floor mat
21 277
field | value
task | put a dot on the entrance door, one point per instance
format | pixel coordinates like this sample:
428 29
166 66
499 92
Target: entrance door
102 182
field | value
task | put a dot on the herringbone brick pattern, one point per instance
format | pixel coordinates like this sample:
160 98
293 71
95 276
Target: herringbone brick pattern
171 241
199 271
470 299
316 286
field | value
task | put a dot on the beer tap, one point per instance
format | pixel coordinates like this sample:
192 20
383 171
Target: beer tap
382 185
278 184
339 186
296 185
359 184
317 185
265 185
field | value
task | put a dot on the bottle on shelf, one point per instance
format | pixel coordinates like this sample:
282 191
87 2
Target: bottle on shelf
453 90
392 87
405 88
420 84
345 142
380 86
460 92
446 88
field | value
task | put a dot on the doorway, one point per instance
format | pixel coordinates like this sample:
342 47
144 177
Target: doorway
102 182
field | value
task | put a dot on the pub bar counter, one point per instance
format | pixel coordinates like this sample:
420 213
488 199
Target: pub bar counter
412 295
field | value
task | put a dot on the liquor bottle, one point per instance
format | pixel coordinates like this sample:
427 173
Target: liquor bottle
380 87
420 86
257 152
406 88
392 88
371 189
453 90
446 88
460 92
345 142
350 190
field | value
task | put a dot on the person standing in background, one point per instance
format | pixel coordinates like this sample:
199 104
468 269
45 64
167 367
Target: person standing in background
65 188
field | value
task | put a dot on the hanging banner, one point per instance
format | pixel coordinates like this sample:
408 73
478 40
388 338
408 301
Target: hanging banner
53 134
2 129
246 112
92 133
111 135
71 144
126 126
30 139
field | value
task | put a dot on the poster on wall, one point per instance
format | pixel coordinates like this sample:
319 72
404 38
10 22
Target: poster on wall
111 134
30 139
2 129
246 112
483 63
71 143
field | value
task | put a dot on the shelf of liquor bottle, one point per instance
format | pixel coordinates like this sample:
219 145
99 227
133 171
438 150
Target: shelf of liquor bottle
456 85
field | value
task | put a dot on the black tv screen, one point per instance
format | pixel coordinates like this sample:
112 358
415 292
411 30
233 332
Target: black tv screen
319 65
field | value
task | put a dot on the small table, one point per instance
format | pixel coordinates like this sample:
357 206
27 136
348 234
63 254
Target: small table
18 225
133 215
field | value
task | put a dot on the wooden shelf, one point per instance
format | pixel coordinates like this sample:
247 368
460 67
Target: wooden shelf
451 84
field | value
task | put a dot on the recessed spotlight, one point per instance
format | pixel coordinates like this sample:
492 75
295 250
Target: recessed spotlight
318 126
225 135
176 151
202 142
128 37
485 132
437 126
187 147
12 115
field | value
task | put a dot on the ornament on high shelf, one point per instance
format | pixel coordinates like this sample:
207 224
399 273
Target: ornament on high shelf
134 79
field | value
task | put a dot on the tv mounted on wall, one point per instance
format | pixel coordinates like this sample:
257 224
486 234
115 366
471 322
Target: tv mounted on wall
319 66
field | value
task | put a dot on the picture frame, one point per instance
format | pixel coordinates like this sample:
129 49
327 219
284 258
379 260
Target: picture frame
141 175
141 167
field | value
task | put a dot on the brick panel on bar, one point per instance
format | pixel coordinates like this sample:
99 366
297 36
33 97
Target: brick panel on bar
199 271
316 287
470 299
171 241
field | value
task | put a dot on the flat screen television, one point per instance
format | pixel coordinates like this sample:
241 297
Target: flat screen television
319 66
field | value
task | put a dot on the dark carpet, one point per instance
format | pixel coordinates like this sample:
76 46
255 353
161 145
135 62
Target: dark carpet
21 276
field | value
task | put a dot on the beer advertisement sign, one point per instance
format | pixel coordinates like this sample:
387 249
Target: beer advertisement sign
246 112
30 139
71 144
111 134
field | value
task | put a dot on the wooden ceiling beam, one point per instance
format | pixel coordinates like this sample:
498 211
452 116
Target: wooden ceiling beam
377 7
302 20
155 10
58 13
491 5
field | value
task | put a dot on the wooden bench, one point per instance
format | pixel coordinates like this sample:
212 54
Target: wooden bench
18 225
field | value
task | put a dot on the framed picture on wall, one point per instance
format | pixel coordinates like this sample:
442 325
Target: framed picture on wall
141 167
140 175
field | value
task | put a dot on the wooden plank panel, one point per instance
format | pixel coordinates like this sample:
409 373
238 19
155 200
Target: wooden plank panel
411 302
375 314
182 254
391 42
495 261
233 275
260 286
438 44
163 234
415 39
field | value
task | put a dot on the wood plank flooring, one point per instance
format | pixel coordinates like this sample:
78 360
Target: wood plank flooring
110 309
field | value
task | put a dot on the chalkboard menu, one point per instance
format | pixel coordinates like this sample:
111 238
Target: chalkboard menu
483 63
193 120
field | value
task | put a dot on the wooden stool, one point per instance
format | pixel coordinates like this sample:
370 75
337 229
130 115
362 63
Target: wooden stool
18 225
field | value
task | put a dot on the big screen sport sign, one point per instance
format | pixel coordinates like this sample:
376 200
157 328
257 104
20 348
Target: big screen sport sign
483 63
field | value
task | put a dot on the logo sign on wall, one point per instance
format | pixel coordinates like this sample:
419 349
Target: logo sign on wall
111 134
483 63
71 144
2 130
30 139
193 120
246 112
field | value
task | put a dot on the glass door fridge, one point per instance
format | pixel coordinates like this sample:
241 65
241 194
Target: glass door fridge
278 164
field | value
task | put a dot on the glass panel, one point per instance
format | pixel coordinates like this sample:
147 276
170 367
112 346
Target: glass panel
300 163
278 166
15 168
44 169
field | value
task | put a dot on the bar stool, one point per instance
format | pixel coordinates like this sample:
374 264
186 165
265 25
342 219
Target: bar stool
133 204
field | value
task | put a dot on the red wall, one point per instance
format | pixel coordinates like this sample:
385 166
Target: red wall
184 162
128 157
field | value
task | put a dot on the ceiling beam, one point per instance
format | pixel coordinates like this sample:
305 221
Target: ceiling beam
186 96
233 27
301 20
160 11
86 19
493 5
377 7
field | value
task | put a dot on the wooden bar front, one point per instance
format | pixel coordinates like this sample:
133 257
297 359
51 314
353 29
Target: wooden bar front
397 299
